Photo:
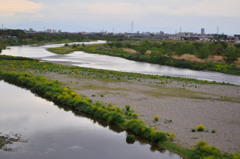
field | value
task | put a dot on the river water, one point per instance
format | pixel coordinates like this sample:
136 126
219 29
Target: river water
53 133
83 59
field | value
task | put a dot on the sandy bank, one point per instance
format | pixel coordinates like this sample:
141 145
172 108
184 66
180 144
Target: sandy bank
185 104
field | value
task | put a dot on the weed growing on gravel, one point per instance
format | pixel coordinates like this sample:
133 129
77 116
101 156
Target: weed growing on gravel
200 127
156 117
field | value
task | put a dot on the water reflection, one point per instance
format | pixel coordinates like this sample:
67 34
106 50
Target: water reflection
54 133
83 59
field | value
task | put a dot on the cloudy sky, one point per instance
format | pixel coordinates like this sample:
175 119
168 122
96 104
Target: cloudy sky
147 15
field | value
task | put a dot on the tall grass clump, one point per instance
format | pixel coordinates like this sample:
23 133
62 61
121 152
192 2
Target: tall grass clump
200 127
156 117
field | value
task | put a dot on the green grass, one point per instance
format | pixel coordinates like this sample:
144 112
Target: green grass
61 50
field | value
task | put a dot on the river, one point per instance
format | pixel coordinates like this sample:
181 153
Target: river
53 133
83 59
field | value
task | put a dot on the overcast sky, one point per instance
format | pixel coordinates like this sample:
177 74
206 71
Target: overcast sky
147 15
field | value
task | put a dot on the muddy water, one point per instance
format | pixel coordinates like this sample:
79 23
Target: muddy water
53 133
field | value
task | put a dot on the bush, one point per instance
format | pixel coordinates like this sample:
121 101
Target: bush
231 54
171 136
193 130
156 118
213 131
200 127
236 156
135 126
130 138
203 150
159 137
127 107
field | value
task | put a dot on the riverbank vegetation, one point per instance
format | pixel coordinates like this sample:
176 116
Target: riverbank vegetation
126 118
11 63
212 56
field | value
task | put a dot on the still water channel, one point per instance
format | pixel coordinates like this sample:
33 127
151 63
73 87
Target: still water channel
83 59
53 133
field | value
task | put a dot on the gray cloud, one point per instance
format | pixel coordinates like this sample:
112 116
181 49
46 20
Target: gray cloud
151 15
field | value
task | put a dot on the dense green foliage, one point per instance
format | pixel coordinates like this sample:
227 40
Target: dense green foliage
169 48
163 56
130 138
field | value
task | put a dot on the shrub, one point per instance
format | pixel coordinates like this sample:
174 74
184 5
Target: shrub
200 127
135 126
236 156
134 115
127 107
213 131
193 130
156 118
130 138
171 136
158 137
202 149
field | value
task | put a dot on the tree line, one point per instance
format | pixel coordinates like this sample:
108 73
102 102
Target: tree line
203 50
19 37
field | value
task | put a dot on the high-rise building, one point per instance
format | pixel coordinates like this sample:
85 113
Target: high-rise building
202 31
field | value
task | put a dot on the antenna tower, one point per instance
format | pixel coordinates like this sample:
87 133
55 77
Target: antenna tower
132 27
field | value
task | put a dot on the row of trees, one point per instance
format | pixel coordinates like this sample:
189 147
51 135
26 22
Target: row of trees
202 50
19 37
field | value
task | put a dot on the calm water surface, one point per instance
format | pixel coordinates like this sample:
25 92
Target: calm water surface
54 133
83 59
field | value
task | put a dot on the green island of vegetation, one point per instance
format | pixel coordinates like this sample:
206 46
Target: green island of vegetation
209 56
26 73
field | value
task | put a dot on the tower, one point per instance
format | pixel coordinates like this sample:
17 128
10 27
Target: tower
132 27
202 31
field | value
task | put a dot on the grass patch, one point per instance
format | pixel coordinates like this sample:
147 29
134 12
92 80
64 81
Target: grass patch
61 50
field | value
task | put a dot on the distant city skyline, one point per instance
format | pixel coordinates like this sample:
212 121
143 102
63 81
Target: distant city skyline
170 16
